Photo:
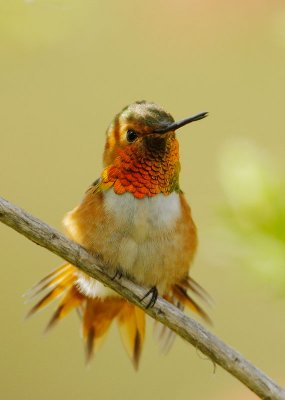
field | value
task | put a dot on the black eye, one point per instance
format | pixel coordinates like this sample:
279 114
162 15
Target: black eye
131 135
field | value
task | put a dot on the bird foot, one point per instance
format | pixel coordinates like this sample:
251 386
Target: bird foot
154 294
117 275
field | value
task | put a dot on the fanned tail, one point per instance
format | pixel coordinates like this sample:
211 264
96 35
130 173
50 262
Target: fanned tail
97 314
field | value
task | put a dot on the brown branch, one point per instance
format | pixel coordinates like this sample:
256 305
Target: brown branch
190 330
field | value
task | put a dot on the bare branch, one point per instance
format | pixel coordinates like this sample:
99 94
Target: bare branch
190 330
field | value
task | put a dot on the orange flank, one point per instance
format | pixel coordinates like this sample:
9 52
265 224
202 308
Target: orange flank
137 218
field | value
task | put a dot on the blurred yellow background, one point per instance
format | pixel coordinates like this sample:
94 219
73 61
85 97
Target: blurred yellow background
67 66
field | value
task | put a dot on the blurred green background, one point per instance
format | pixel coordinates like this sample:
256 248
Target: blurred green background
67 66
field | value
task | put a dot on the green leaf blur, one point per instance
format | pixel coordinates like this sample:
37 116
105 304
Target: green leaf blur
254 210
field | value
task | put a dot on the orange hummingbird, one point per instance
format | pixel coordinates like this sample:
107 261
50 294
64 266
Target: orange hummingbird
137 218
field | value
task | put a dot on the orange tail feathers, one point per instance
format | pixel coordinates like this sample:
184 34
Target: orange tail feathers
97 313
180 297
180 293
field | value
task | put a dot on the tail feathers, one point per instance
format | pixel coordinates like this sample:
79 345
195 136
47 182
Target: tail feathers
181 298
164 336
131 322
97 318
184 298
190 284
50 280
57 291
96 314
61 282
71 300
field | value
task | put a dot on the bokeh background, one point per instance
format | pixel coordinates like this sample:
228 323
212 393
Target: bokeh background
67 66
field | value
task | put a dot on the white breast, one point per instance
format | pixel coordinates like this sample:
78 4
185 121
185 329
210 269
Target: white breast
143 218
147 229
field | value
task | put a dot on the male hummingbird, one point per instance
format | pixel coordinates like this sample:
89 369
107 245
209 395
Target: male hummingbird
137 218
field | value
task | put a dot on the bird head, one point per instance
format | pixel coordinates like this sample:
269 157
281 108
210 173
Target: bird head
141 141
139 125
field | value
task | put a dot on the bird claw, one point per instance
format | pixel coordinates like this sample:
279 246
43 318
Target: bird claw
154 294
118 275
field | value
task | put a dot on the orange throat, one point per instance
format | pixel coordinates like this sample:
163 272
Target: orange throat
145 170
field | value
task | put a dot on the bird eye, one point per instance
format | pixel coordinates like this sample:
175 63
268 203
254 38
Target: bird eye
131 135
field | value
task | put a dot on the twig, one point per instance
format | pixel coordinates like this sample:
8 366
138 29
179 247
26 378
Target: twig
190 330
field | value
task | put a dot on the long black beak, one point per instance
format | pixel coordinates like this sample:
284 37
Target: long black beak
179 124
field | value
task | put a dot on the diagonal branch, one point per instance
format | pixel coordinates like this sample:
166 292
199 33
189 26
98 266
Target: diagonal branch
190 330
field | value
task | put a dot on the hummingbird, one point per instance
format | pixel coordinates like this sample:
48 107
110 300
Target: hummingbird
137 218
